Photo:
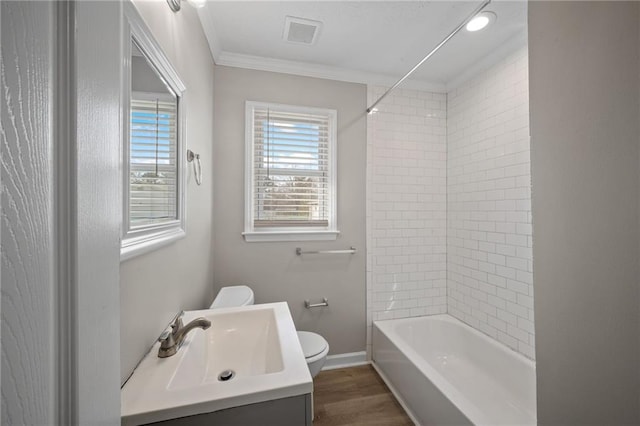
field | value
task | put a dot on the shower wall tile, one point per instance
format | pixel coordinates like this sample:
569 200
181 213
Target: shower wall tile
406 205
489 232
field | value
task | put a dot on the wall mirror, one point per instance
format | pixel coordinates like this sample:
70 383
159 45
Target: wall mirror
153 142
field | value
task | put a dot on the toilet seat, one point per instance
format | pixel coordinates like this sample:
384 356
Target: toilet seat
313 345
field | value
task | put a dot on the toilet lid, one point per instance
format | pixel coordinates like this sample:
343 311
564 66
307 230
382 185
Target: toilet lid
228 297
312 343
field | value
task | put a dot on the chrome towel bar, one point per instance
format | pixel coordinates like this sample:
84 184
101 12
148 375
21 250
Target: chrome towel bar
351 250
324 302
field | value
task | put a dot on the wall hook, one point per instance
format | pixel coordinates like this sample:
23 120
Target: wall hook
194 158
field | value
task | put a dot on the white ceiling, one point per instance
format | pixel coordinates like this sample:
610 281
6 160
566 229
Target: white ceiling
373 42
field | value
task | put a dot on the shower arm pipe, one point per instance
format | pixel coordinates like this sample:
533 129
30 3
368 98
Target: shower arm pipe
433 51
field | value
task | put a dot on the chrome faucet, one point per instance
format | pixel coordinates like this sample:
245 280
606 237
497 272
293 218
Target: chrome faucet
171 341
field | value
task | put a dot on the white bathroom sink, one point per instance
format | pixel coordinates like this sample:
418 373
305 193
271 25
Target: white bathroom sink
245 342
258 343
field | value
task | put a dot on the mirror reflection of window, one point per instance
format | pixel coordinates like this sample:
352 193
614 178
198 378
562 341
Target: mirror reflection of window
153 196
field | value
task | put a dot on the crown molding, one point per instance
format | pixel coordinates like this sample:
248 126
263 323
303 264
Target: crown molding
516 42
320 71
237 60
210 33
307 69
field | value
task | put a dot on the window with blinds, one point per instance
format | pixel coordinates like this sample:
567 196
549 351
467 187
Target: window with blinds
292 172
153 170
153 147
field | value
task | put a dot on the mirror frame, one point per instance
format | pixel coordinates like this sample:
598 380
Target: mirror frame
147 238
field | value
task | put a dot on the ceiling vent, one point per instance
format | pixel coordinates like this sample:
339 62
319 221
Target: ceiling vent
300 30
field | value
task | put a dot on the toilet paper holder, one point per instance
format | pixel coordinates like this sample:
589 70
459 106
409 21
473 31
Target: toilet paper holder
324 302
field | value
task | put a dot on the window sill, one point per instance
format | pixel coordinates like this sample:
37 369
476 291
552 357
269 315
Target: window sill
136 246
275 236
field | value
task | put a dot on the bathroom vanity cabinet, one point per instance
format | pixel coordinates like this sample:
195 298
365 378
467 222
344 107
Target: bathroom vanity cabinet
292 411
257 345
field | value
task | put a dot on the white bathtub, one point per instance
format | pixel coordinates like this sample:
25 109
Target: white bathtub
446 373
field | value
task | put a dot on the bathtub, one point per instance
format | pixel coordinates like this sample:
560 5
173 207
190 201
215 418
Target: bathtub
446 373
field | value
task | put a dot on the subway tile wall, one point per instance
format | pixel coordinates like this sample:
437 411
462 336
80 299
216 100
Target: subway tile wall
489 232
406 205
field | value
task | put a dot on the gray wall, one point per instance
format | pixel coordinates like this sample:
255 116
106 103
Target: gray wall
144 78
584 147
272 269
155 286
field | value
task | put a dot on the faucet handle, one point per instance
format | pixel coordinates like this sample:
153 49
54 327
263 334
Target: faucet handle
177 322
164 336
167 344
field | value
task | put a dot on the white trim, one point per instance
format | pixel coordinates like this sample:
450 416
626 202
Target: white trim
132 247
210 32
396 394
97 187
143 239
149 47
350 359
295 233
251 237
260 63
505 49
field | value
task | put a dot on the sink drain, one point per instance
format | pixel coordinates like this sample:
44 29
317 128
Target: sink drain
226 375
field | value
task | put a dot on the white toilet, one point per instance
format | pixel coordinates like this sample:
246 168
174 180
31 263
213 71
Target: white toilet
314 346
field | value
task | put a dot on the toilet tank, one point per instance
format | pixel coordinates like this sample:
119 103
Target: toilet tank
228 297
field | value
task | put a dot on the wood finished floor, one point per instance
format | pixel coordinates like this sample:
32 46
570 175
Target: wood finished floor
355 396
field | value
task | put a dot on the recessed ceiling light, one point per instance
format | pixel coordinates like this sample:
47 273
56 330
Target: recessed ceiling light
480 21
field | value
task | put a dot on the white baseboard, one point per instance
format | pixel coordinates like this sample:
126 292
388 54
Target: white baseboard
351 359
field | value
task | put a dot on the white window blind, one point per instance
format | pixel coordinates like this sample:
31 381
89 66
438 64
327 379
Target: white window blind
292 162
153 194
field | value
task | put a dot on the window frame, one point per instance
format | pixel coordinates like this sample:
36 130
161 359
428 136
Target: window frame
137 240
289 233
